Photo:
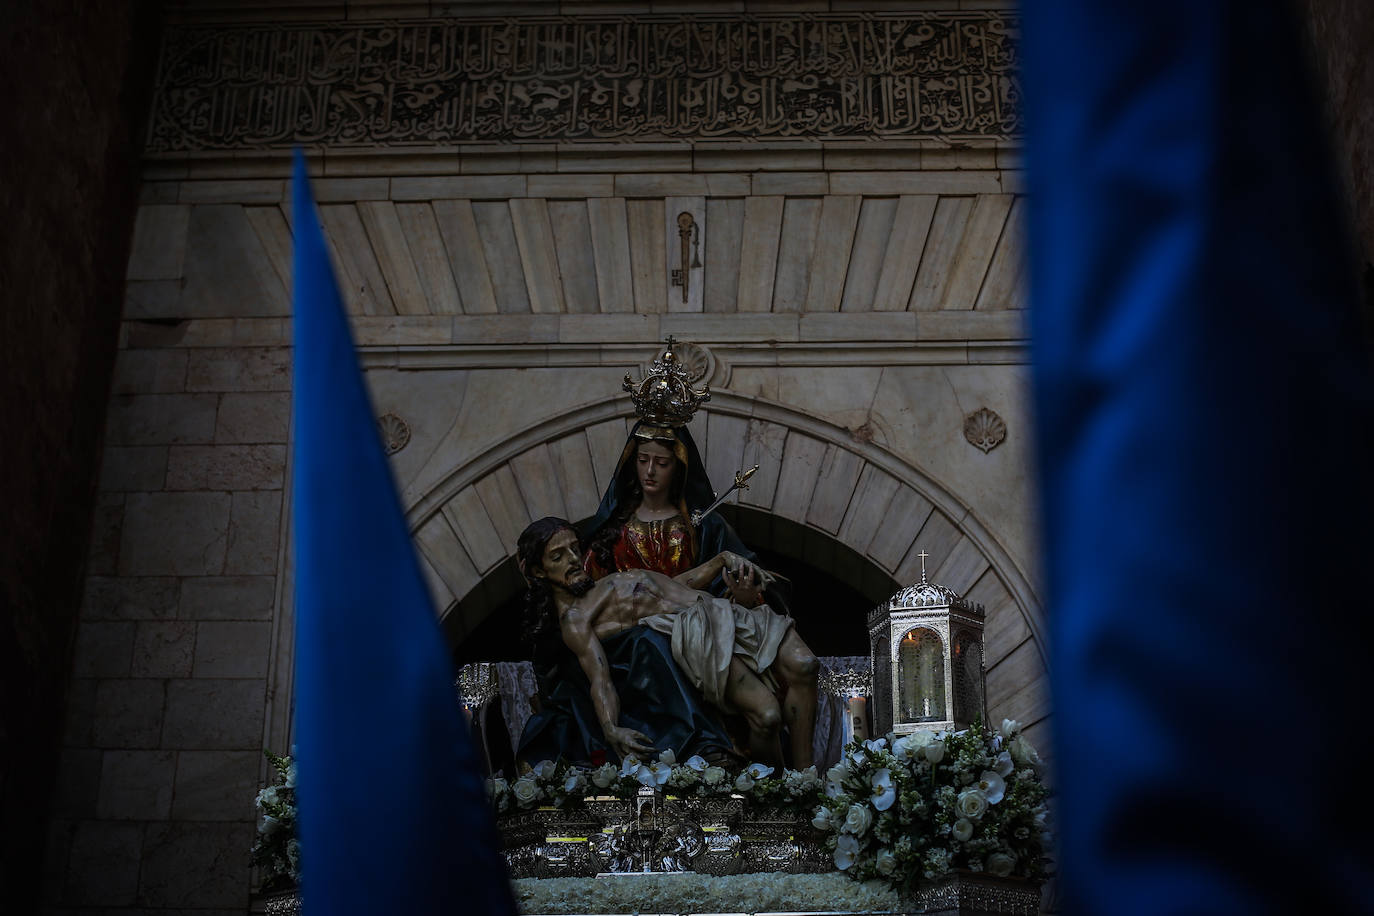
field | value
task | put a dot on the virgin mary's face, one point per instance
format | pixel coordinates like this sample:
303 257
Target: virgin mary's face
655 466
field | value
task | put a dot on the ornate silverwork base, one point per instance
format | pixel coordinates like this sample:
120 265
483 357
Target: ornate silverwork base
973 894
658 834
282 903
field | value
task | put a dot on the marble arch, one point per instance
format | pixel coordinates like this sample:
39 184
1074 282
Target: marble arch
813 473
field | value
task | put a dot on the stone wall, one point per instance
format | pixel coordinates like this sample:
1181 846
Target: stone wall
855 303
77 79
1342 37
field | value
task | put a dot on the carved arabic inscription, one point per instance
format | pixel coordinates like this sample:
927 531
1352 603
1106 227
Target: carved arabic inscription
949 74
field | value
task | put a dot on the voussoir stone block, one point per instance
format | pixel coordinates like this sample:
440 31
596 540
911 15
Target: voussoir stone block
174 534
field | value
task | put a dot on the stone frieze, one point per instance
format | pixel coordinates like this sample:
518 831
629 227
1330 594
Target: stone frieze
949 75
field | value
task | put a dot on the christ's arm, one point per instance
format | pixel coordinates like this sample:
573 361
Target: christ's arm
744 580
576 626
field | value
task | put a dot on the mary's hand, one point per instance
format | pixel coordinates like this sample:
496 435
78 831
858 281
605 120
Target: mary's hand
745 584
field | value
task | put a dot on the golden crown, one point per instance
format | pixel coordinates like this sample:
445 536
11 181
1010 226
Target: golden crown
665 397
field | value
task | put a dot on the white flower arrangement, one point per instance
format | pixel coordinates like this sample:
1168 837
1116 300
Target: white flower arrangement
561 785
276 848
911 809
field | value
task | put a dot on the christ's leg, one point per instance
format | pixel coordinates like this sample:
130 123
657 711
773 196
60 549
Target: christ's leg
797 665
750 697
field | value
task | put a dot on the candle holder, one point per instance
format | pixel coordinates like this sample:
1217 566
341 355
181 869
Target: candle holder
927 645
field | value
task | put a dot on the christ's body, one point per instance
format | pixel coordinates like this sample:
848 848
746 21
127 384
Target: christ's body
765 643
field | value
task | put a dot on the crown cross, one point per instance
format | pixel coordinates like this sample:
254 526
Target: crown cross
923 556
665 396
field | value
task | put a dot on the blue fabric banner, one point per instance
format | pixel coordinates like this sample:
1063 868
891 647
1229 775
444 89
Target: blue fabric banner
393 817
1204 418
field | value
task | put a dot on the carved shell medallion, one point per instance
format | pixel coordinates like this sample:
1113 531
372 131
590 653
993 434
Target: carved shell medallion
395 432
984 429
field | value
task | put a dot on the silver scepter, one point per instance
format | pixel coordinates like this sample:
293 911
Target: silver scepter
741 483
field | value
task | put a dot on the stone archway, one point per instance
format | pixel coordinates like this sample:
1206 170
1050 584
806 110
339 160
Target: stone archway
813 474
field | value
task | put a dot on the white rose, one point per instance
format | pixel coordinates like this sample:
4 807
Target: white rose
744 782
714 776
525 790
1009 729
822 819
668 757
971 803
1000 864
920 738
963 829
857 819
886 862
838 773
544 769
269 796
604 775
846 852
935 751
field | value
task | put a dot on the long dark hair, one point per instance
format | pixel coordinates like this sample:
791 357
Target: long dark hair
541 613
629 494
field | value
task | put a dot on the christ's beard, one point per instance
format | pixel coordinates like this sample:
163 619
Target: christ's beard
580 586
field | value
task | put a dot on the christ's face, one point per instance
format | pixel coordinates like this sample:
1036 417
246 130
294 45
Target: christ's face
562 563
655 465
